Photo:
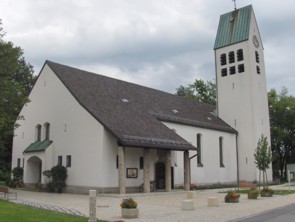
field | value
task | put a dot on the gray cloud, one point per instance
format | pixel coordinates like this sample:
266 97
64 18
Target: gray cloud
160 44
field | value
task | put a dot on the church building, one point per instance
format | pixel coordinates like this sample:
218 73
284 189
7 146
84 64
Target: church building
114 135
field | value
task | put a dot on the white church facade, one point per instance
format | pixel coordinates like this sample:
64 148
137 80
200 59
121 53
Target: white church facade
113 135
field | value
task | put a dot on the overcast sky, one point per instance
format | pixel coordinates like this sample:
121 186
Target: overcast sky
157 43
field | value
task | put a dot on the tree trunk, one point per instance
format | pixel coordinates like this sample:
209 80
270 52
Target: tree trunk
266 178
259 183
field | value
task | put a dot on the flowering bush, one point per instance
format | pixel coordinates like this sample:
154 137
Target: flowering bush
128 203
266 192
232 195
253 193
193 186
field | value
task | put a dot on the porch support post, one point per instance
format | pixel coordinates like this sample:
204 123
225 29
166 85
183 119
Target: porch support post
121 161
146 171
186 170
168 171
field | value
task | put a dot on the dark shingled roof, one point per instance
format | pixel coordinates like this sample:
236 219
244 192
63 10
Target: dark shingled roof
133 113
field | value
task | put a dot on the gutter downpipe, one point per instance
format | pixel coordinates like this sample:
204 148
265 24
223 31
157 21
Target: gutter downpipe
238 170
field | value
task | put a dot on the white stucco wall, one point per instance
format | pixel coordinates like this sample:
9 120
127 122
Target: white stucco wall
73 131
211 172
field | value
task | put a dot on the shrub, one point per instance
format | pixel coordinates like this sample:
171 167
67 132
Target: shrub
59 176
18 173
17 181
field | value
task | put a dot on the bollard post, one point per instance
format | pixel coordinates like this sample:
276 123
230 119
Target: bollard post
92 206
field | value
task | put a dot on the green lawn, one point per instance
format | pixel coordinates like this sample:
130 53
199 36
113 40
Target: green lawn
276 192
11 212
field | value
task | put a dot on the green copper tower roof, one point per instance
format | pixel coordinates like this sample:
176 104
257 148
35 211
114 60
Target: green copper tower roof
233 27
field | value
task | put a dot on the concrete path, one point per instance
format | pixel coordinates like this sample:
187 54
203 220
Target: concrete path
160 206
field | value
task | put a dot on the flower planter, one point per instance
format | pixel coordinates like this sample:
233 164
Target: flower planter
266 194
129 213
252 197
231 200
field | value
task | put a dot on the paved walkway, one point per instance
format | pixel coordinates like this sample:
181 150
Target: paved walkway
282 214
158 206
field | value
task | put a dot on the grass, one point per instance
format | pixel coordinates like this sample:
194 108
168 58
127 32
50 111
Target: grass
11 212
276 192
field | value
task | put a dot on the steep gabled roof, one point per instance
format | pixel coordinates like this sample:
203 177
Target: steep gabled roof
233 27
133 113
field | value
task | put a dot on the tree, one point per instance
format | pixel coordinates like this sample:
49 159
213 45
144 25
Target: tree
200 91
16 81
263 158
282 122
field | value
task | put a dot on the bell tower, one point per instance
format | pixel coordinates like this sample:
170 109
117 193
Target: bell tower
241 85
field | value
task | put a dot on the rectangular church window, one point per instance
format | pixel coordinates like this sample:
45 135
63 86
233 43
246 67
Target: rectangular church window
232 70
240 55
59 160
141 162
221 152
231 57
69 161
199 148
258 69
223 59
257 57
241 68
224 72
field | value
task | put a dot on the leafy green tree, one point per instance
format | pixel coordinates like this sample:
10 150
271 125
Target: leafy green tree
200 90
282 122
16 81
263 158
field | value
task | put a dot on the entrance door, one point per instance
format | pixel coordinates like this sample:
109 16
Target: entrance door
160 176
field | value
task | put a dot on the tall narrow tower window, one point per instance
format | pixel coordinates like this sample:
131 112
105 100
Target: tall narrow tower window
38 132
231 57
240 55
223 59
241 68
257 57
224 72
232 70
258 69
47 131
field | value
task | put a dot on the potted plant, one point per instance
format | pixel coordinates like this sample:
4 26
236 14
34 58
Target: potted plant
38 186
253 194
129 208
232 197
266 192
